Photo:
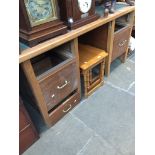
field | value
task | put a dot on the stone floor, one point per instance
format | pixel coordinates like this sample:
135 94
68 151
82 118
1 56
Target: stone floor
102 124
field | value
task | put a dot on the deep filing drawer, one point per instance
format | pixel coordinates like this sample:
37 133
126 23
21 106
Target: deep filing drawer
59 85
64 108
121 39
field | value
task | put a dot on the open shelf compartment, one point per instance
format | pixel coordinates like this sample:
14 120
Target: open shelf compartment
48 61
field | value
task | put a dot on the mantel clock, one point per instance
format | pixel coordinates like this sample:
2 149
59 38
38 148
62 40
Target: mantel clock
77 13
39 21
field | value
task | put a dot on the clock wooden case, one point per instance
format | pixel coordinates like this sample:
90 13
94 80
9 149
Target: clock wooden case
77 13
39 20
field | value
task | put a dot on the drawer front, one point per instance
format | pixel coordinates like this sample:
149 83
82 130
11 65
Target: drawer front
26 138
59 85
23 119
121 39
64 108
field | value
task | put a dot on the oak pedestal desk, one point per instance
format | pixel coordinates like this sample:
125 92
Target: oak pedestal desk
106 33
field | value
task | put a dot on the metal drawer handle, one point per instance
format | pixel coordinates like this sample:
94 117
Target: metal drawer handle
70 106
122 43
60 87
52 96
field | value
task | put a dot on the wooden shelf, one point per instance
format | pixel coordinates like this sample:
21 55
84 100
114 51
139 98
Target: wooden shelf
52 43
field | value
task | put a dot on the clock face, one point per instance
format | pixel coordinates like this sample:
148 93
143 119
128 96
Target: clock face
85 5
40 11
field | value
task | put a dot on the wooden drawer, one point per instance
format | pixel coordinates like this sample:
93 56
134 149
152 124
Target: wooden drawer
23 119
59 85
27 132
121 39
64 108
27 137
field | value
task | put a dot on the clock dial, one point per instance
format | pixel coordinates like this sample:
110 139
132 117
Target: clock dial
84 5
40 11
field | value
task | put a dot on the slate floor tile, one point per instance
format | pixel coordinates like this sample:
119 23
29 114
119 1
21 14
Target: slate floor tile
98 146
67 137
110 113
132 89
122 74
132 57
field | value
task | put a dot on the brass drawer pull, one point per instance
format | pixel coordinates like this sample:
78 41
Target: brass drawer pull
70 106
122 43
60 87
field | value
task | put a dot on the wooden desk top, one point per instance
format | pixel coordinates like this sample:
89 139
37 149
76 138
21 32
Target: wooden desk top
89 56
54 42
